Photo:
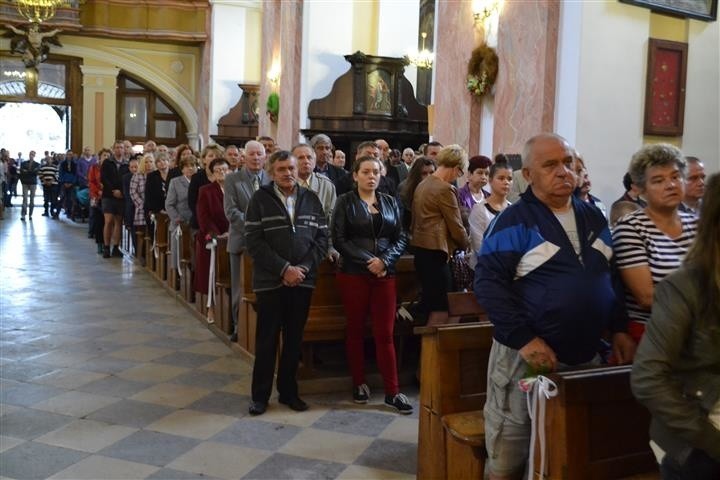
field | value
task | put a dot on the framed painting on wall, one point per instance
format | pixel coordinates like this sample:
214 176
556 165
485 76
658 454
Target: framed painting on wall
699 9
665 88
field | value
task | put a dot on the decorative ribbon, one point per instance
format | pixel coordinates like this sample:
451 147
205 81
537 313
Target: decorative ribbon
176 245
154 245
538 391
211 245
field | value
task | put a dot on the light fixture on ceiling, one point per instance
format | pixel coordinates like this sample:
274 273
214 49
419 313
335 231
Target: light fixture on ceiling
423 59
38 11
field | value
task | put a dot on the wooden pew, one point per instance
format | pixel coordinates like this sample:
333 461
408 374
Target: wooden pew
173 276
161 246
595 429
223 300
463 307
147 249
453 379
326 319
187 245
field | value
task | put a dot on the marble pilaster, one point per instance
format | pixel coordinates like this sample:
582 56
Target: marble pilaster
270 53
99 93
456 112
291 14
525 87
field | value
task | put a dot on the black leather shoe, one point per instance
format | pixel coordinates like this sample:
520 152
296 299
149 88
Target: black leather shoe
234 337
257 408
294 404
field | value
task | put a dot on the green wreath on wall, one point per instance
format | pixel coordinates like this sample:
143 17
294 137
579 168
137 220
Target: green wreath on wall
273 106
482 70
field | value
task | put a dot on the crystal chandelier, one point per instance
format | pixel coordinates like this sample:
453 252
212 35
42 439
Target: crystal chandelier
38 11
424 58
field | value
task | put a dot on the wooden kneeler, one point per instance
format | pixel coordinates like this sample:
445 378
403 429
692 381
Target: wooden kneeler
465 445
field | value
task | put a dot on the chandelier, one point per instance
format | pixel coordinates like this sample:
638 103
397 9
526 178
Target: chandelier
424 58
38 11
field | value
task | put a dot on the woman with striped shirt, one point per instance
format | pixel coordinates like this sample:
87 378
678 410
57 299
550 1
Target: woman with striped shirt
651 243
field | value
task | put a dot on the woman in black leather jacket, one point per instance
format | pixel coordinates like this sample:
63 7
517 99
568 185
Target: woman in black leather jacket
368 233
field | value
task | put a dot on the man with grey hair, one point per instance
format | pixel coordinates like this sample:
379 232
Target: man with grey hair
694 186
544 275
239 187
322 145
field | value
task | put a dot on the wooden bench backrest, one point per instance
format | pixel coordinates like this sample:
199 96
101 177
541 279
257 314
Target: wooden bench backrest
187 243
595 428
162 221
222 263
454 366
464 306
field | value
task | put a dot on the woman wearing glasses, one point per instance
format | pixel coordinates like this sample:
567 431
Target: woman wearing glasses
437 230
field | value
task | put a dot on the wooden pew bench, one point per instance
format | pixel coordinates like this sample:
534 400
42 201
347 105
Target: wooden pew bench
453 379
187 244
161 246
223 300
595 429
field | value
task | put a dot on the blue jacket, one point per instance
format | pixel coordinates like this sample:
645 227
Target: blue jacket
532 283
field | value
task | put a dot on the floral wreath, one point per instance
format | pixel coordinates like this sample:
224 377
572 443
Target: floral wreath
273 106
482 70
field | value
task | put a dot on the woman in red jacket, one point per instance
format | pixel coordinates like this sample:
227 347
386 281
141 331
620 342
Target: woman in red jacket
213 223
95 186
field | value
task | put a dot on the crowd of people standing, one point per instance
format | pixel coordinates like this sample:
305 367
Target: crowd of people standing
553 274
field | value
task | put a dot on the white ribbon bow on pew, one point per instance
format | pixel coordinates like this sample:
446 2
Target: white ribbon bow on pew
176 237
538 391
154 245
211 245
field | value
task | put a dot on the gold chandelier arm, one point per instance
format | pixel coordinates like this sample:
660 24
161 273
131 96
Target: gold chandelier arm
38 11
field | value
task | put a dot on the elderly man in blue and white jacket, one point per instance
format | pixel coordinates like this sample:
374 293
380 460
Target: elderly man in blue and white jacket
544 275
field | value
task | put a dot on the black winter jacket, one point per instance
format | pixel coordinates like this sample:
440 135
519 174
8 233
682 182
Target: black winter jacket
355 238
275 243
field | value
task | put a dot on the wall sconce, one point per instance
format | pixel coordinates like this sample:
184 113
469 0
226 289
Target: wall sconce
484 9
273 74
423 59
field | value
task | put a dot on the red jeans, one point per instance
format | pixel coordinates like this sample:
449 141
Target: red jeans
364 295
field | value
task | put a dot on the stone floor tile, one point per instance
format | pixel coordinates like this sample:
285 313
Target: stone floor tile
106 364
6 443
28 424
68 378
230 365
220 460
113 386
131 413
171 394
151 448
313 443
193 424
86 435
152 372
170 474
97 466
215 348
288 467
401 430
354 422
223 403
203 378
358 472
390 455
75 404
32 460
253 433
27 394
63 358
25 371
140 353
128 337
186 359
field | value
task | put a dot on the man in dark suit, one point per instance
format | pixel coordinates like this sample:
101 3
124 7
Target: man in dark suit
239 187
322 145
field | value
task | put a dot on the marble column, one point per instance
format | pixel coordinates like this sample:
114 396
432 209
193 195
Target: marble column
282 45
457 112
99 105
525 87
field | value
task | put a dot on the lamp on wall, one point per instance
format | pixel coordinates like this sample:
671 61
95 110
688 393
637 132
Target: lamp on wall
38 11
273 74
423 59
484 9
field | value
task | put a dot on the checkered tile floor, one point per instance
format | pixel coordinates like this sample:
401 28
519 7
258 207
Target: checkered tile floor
103 375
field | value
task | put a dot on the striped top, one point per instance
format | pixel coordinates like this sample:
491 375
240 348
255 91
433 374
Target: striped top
637 241
48 174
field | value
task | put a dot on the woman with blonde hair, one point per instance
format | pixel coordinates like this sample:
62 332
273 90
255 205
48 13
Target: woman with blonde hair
437 230
676 373
137 195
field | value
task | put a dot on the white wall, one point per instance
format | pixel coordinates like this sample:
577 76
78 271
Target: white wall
702 100
568 70
610 91
233 26
327 37
398 31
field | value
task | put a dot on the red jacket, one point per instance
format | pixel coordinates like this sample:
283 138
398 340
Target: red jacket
94 182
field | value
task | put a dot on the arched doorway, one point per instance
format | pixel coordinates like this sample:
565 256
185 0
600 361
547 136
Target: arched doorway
40 110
